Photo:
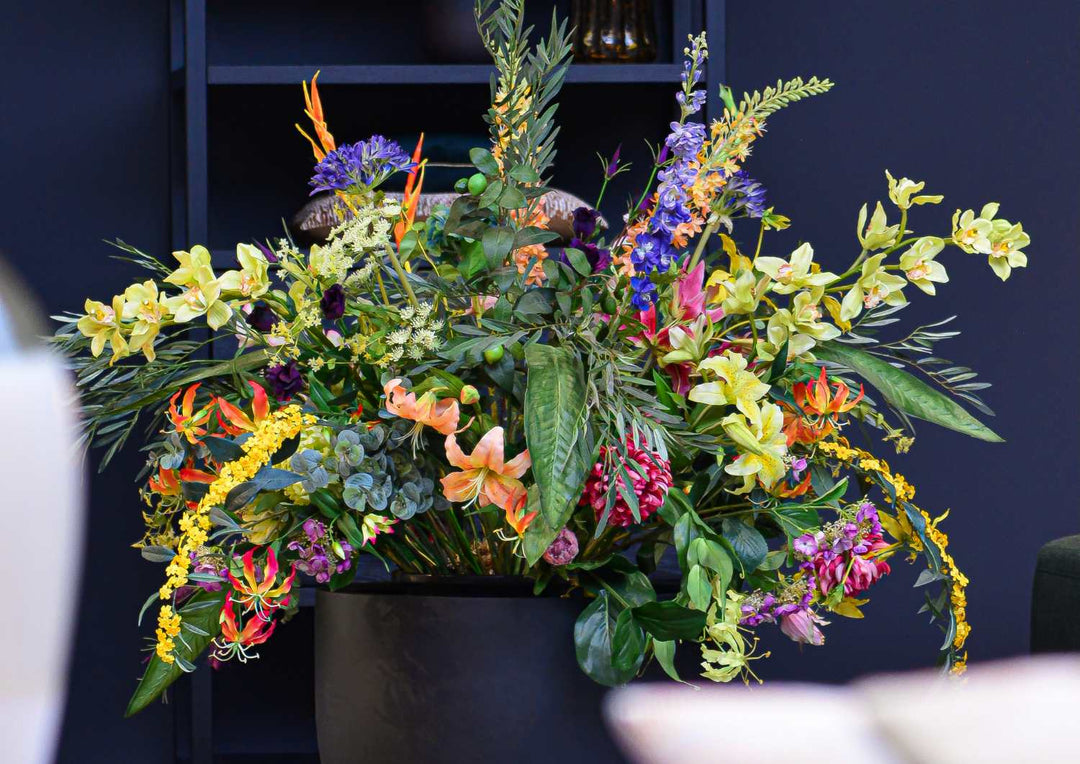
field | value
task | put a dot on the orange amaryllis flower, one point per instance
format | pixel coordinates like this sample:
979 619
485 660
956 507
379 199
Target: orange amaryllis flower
314 111
412 195
187 421
234 640
816 397
428 410
484 477
516 516
257 591
238 421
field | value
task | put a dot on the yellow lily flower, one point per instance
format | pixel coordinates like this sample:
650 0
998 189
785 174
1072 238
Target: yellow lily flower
102 324
251 280
761 443
797 274
877 233
875 286
201 298
901 192
919 265
146 307
734 385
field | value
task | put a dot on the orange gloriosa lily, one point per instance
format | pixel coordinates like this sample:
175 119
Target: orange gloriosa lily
257 591
186 419
412 195
238 421
235 640
819 401
484 477
166 482
516 516
314 111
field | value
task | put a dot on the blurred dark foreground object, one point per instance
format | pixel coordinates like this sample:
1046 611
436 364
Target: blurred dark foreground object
1055 599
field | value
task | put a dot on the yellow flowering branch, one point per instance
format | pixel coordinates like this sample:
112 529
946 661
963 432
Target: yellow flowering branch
195 523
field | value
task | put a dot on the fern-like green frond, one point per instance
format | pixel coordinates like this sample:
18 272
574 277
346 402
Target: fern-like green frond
770 100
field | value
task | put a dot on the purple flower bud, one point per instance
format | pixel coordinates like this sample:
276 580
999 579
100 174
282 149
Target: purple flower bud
613 165
261 318
267 252
333 303
663 154
563 549
284 380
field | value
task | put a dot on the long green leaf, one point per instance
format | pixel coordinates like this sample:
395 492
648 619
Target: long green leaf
906 392
554 431
201 612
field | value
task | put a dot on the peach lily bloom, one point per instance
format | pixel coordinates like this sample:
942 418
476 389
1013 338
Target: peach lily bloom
428 410
484 477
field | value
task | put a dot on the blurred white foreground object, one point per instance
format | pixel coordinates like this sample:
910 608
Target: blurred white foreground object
1022 710
40 543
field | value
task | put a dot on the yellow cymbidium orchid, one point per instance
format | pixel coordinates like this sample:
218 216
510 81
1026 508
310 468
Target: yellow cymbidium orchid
971 233
1006 242
144 304
761 443
919 265
201 298
901 192
800 326
877 233
194 267
875 286
791 276
251 280
734 385
101 324
744 294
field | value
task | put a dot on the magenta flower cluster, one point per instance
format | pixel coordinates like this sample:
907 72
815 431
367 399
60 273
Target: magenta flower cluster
320 555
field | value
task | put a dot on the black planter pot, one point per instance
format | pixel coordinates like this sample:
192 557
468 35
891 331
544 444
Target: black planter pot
453 670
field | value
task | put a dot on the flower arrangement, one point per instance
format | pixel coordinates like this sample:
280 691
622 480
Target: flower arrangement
459 396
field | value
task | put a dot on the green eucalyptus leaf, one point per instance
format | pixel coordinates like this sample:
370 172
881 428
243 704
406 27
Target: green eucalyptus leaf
159 675
906 392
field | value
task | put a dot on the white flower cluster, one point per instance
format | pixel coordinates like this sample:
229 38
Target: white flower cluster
418 335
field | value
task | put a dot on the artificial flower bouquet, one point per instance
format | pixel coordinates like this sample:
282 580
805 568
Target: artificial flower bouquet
458 396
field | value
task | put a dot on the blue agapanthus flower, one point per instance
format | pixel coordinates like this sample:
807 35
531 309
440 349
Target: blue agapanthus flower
364 163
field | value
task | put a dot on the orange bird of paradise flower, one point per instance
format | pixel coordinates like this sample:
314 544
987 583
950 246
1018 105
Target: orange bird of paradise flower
314 111
413 183
484 477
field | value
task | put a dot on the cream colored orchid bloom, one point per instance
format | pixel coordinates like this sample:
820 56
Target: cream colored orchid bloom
761 443
919 265
797 274
800 325
101 324
971 233
144 305
874 287
689 343
734 385
744 294
877 233
901 192
251 280
1006 242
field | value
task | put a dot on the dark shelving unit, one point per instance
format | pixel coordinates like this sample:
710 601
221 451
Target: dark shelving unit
238 169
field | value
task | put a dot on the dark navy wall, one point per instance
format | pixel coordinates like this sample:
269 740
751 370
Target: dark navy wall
979 99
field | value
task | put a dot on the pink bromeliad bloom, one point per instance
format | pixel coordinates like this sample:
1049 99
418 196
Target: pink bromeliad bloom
865 568
687 304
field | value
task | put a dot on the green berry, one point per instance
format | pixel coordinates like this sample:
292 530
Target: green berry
477 184
461 185
494 354
610 306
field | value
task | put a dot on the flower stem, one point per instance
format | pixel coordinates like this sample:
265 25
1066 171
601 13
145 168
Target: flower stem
402 277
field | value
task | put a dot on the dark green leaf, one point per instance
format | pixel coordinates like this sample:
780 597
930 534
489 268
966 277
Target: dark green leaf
537 302
498 243
158 674
594 633
907 393
747 541
484 162
578 260
628 643
223 450
670 620
522 173
530 235
511 199
157 553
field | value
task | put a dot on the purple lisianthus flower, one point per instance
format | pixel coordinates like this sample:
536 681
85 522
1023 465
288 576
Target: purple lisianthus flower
284 380
808 543
798 467
686 140
563 549
364 163
261 318
584 222
332 303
